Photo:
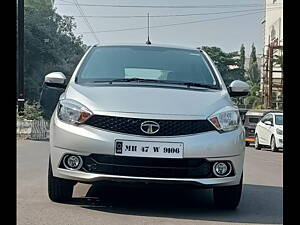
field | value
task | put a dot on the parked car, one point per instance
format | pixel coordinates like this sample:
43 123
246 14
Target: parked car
146 113
243 114
269 131
252 117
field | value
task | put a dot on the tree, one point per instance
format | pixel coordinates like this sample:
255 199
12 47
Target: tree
253 71
253 79
38 3
49 45
242 57
228 64
253 58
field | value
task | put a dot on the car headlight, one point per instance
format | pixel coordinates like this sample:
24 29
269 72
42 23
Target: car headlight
72 112
279 132
227 119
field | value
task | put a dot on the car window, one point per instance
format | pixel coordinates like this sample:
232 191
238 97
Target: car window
279 119
253 119
265 118
171 64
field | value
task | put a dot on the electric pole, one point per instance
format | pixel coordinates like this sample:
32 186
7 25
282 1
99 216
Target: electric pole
20 59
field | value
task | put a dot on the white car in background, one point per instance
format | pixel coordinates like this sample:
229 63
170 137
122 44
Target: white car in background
269 132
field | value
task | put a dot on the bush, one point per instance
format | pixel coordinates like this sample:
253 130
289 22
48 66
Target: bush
31 112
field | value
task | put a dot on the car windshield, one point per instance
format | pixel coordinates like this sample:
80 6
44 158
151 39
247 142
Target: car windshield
279 119
253 119
147 63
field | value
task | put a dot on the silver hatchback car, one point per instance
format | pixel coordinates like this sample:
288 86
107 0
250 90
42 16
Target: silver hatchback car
146 114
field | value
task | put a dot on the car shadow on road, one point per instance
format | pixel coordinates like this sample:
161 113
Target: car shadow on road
259 204
265 149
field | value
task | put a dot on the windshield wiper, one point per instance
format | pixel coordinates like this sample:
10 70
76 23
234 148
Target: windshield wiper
189 84
135 79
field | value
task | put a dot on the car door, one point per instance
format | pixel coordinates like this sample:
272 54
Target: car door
258 128
264 130
270 129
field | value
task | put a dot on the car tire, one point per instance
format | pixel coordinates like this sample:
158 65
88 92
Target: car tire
247 144
228 197
273 144
257 146
59 190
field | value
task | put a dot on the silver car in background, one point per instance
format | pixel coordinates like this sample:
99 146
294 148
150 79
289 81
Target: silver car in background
147 114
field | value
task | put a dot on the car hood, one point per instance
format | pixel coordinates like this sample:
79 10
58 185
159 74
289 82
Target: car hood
151 100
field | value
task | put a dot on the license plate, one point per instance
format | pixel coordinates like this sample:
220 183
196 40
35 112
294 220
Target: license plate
149 149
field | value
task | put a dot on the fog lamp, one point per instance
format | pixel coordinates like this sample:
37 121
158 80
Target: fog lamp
72 162
222 169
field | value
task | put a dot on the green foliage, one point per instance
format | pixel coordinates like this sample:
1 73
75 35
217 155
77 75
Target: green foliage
253 55
242 57
253 79
49 45
31 112
253 73
228 64
38 3
253 99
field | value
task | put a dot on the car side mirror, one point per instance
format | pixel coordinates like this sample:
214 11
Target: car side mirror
54 85
55 79
268 123
238 88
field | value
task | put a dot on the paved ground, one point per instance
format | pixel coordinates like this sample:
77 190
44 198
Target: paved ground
261 201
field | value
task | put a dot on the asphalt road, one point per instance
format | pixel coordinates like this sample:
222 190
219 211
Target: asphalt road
261 201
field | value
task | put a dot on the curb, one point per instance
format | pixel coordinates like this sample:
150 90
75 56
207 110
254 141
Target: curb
33 129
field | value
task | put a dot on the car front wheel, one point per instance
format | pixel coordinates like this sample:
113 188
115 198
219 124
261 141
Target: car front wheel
256 143
59 190
273 144
228 197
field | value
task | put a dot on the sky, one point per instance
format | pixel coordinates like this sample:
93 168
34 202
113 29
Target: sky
210 28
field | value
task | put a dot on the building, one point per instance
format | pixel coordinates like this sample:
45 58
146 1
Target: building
271 69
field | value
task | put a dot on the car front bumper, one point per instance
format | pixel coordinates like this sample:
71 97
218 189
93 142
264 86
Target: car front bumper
86 140
279 141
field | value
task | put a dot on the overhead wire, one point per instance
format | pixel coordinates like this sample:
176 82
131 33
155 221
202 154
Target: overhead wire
174 15
175 24
86 20
253 11
171 6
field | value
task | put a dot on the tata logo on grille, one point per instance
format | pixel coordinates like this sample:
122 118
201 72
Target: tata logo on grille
150 127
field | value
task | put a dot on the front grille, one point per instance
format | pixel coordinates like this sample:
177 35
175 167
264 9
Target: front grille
133 125
147 167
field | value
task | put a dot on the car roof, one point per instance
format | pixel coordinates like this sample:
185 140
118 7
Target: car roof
261 112
255 113
148 45
276 113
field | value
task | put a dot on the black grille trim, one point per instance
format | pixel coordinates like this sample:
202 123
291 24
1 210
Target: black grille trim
147 167
133 125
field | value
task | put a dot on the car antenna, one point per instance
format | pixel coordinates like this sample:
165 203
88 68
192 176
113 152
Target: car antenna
148 41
